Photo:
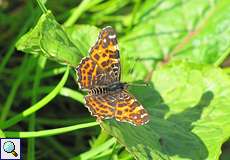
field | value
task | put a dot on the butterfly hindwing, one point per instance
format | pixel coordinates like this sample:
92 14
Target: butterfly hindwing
128 109
100 106
121 105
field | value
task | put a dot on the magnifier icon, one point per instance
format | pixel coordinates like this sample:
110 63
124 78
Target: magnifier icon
9 147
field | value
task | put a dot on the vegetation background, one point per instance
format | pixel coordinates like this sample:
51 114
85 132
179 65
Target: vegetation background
180 47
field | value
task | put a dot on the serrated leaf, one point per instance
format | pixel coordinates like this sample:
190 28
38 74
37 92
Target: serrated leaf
189 114
49 39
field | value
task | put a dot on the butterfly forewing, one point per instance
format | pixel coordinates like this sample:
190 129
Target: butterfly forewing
86 73
106 54
103 65
90 75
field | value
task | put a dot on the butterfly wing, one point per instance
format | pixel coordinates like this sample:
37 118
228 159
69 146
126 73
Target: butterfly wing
103 65
121 105
85 72
89 74
128 109
100 106
103 68
106 54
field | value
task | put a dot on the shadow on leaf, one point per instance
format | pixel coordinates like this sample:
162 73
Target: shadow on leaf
161 138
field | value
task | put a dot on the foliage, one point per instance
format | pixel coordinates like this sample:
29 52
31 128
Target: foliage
188 104
177 46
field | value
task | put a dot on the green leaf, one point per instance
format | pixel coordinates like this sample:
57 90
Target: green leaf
2 135
211 40
189 114
49 39
195 30
83 36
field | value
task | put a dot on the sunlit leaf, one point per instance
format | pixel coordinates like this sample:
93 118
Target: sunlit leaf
194 30
189 109
83 36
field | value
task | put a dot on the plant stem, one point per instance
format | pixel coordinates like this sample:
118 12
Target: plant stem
79 10
42 6
23 70
32 118
38 105
103 136
95 151
67 92
49 132
10 51
222 58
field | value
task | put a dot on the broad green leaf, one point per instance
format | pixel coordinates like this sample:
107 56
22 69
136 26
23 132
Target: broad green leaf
189 112
83 36
49 39
195 30
211 39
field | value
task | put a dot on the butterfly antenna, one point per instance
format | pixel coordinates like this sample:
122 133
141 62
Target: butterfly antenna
132 68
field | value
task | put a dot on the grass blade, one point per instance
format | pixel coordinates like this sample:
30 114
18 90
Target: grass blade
38 105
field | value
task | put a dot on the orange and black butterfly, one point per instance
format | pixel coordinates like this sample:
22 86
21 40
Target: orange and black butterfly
100 74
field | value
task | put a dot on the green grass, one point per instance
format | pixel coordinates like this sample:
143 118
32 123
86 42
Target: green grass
178 47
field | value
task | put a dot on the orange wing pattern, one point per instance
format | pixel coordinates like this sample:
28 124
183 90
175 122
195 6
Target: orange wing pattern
99 71
121 105
90 75
103 65
106 53
100 106
86 73
128 109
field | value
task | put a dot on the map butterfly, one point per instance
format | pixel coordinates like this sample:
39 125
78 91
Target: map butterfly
100 74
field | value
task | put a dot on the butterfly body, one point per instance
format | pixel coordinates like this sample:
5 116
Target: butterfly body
99 74
116 87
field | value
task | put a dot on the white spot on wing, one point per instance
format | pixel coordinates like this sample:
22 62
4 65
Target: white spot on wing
141 107
112 36
143 115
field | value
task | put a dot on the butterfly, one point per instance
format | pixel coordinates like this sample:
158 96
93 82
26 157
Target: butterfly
100 74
